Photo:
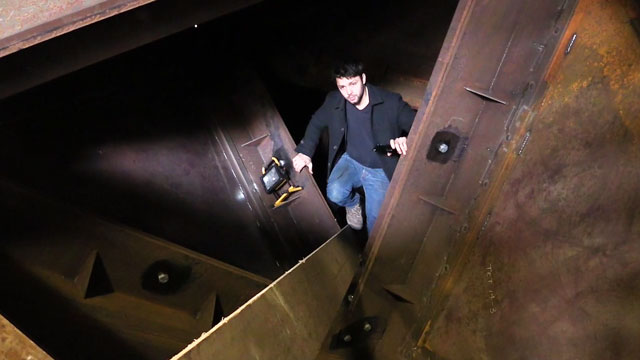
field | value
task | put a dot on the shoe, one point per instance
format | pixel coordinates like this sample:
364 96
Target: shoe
354 217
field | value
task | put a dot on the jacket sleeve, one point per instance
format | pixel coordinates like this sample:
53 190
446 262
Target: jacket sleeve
319 122
406 115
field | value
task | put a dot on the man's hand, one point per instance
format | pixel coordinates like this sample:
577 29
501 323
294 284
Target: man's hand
300 161
400 144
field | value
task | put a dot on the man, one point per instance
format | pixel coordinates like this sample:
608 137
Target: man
359 116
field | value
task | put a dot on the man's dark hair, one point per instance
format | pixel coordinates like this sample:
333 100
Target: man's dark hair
348 68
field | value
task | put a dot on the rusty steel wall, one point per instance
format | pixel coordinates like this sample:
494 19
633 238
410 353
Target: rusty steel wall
555 273
520 241
489 71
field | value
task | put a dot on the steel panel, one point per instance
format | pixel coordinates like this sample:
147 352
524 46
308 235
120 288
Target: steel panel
290 318
554 273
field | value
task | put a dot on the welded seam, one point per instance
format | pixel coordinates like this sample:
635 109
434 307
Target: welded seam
504 56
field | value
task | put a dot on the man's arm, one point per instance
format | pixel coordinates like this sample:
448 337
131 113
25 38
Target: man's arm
406 115
307 146
300 161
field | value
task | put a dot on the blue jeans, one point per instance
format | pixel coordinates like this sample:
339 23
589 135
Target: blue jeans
348 175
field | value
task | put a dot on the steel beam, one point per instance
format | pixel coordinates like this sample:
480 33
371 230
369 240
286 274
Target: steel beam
26 23
106 36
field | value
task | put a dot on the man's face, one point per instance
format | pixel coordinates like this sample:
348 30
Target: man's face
352 88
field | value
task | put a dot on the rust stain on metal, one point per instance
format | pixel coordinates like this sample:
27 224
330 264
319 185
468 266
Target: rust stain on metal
479 222
612 49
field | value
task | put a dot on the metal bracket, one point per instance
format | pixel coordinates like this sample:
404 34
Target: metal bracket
485 95
438 203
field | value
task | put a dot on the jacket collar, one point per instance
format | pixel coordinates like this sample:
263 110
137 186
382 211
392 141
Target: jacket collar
374 97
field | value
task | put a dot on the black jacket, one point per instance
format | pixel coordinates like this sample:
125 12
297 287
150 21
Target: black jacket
391 118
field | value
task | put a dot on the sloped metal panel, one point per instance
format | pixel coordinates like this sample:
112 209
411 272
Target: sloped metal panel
290 318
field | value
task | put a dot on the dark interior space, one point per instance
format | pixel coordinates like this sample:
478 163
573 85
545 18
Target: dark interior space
142 139
67 137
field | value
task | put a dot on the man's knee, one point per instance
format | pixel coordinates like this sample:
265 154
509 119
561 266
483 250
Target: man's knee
336 193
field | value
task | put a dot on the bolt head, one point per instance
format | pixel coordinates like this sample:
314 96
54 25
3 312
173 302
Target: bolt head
347 338
443 148
367 327
163 277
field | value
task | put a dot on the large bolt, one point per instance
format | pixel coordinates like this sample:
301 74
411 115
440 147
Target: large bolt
163 277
